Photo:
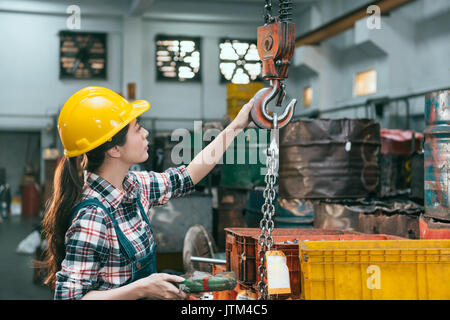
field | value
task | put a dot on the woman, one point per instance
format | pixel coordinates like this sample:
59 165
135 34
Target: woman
100 242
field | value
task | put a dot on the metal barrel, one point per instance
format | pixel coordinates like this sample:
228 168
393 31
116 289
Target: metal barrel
329 159
437 155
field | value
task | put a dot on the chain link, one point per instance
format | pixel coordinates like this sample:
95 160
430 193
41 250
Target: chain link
268 18
268 209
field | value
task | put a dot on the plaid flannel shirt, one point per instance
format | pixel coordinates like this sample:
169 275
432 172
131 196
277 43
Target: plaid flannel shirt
93 258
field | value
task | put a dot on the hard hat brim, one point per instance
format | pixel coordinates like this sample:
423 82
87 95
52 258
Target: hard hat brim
139 107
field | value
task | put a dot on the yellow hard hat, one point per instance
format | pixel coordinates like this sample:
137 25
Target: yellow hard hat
92 116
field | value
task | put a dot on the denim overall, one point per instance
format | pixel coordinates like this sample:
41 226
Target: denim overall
141 267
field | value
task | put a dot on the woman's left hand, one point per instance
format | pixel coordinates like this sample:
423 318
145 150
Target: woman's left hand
243 119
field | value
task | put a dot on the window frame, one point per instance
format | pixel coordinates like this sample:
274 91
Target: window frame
222 78
159 74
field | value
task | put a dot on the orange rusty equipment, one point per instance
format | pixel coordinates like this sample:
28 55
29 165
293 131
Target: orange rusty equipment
276 43
430 229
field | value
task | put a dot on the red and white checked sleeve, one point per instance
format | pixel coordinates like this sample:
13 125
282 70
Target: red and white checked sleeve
159 188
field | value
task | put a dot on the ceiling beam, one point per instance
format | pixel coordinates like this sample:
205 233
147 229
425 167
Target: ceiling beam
345 22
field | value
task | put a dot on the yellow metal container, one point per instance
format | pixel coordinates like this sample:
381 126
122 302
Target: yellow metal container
234 105
240 94
375 270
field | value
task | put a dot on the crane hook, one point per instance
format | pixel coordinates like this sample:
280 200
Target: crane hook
259 113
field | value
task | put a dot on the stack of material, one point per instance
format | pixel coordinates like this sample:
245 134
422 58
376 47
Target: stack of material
329 159
324 159
372 216
288 213
343 166
393 213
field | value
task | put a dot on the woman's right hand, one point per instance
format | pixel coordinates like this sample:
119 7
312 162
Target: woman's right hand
159 286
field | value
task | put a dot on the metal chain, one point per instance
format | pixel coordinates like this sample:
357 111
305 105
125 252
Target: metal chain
268 12
285 10
268 209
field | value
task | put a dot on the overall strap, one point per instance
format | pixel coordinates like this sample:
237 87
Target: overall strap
126 244
89 202
144 214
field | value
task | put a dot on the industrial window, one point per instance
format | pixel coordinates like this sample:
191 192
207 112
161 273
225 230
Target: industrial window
239 61
307 96
82 55
177 58
365 83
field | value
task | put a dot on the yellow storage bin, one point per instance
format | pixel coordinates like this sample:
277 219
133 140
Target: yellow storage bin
235 105
240 94
375 270
243 91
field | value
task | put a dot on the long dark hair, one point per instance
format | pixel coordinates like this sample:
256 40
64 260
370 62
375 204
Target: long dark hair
67 189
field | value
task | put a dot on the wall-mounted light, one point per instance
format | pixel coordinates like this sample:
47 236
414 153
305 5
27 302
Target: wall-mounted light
307 96
365 83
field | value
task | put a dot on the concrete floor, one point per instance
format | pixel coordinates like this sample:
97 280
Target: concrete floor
16 271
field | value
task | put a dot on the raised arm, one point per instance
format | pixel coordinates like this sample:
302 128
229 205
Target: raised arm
207 159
